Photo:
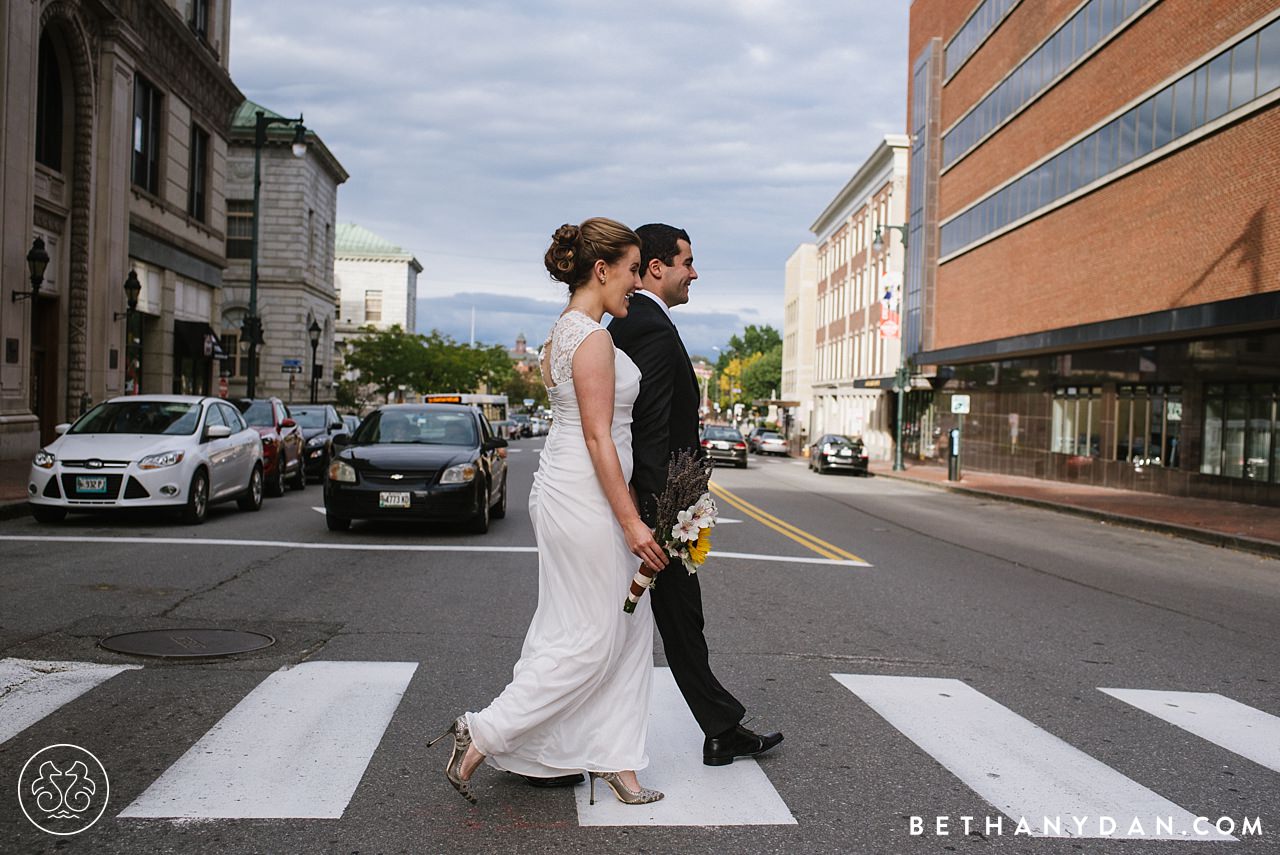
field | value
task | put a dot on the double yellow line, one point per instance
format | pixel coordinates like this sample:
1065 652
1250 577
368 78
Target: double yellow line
809 541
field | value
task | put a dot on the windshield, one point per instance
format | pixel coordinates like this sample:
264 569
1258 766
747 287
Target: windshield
770 435
145 417
722 433
309 417
256 413
427 427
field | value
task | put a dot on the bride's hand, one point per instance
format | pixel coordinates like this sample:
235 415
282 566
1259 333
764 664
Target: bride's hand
642 545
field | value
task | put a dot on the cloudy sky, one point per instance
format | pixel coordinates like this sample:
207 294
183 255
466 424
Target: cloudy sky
472 129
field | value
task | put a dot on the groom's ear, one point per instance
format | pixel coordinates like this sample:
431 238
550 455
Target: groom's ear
655 268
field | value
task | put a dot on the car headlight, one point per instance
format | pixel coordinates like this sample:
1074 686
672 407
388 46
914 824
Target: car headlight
342 472
316 441
43 459
159 461
460 474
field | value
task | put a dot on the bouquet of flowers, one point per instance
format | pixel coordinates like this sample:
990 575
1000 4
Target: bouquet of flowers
685 516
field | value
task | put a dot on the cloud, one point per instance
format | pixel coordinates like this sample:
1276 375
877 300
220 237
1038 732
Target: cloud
471 129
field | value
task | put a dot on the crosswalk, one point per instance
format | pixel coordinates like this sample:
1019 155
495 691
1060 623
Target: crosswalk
300 743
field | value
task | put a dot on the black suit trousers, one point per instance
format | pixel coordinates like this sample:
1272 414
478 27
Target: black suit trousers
677 610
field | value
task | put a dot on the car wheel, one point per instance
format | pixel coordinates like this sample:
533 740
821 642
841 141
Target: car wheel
500 510
300 477
480 522
45 514
742 464
252 498
336 523
197 499
276 487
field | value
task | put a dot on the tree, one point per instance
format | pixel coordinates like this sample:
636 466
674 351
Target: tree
386 359
763 377
753 340
389 359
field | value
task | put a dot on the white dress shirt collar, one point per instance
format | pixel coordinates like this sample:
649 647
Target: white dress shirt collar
666 310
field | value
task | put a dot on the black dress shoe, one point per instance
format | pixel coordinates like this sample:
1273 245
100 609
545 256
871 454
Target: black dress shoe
736 742
559 781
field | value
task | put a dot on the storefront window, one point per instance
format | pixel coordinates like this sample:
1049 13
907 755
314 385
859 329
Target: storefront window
1240 431
1077 421
1148 425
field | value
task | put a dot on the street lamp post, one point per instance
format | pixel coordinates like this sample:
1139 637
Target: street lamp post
314 332
901 377
252 323
132 290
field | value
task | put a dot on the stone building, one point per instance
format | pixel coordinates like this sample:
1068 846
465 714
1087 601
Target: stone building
113 143
800 296
298 202
857 343
1093 258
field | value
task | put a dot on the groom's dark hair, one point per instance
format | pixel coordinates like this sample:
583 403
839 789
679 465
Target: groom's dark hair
658 240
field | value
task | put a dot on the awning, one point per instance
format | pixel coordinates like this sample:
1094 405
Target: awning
197 340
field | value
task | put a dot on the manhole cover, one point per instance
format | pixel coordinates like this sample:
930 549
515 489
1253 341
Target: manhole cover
180 643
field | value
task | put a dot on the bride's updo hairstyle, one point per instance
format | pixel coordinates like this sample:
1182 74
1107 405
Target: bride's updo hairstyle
575 249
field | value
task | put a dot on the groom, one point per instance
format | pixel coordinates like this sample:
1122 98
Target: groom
665 420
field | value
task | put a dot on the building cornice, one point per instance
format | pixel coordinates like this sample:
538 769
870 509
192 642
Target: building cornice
859 186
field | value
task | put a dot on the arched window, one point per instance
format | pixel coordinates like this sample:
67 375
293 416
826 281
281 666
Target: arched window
49 107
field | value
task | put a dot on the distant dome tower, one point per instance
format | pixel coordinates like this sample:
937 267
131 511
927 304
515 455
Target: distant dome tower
522 345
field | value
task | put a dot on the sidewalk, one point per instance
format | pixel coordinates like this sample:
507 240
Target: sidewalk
1253 528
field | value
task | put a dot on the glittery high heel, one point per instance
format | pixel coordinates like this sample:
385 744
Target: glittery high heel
625 794
453 769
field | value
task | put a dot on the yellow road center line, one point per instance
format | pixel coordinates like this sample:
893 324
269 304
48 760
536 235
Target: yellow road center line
765 522
815 543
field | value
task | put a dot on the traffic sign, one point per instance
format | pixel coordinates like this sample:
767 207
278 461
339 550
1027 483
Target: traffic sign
960 404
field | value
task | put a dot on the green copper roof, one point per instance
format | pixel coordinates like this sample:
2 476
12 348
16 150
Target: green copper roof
351 239
244 118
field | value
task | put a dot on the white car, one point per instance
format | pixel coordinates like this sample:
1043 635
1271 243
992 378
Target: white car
768 442
149 451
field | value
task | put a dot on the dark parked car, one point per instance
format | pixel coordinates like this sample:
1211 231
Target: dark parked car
351 421
835 452
725 445
320 424
435 462
282 443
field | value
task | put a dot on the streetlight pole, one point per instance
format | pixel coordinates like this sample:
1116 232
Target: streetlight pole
314 332
902 376
252 323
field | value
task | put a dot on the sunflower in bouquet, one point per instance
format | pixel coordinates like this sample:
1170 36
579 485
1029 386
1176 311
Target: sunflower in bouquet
686 513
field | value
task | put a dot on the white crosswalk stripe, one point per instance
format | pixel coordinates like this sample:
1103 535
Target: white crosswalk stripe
296 746
739 794
1024 771
31 689
1251 733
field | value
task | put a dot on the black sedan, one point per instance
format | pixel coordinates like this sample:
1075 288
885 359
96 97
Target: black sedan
430 462
834 452
320 424
724 445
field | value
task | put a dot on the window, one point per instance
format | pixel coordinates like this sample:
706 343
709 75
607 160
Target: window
198 175
1077 421
372 306
232 417
199 20
239 228
1149 425
147 102
1240 431
231 347
49 107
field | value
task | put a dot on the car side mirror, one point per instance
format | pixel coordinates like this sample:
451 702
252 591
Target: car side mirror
62 428
336 426
288 423
217 432
494 442
342 440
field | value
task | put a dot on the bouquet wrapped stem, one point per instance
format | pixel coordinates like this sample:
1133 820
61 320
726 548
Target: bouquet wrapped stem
685 516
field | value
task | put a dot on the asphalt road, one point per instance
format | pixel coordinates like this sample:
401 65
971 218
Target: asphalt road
926 654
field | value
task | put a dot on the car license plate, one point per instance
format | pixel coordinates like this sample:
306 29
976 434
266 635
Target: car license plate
721 445
393 500
846 453
91 484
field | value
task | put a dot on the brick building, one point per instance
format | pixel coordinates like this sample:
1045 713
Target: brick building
1095 246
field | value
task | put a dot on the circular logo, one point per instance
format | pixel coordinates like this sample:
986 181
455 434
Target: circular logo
63 789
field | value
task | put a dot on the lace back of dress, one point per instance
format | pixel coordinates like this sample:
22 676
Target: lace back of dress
569 332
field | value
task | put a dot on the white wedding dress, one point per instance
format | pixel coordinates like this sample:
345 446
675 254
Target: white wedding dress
579 696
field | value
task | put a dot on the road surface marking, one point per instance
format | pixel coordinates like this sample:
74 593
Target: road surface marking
384 547
30 689
1251 733
804 538
1021 769
295 747
738 794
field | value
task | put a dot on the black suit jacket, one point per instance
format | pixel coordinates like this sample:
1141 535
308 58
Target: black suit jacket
665 417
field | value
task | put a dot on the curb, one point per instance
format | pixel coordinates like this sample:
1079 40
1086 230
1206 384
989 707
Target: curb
1268 548
13 510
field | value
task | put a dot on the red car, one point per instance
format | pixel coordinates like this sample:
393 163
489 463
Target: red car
282 443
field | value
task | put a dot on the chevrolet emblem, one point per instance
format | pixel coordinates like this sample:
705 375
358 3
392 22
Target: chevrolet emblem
397 477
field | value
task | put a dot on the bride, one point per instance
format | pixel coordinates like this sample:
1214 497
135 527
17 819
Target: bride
579 696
